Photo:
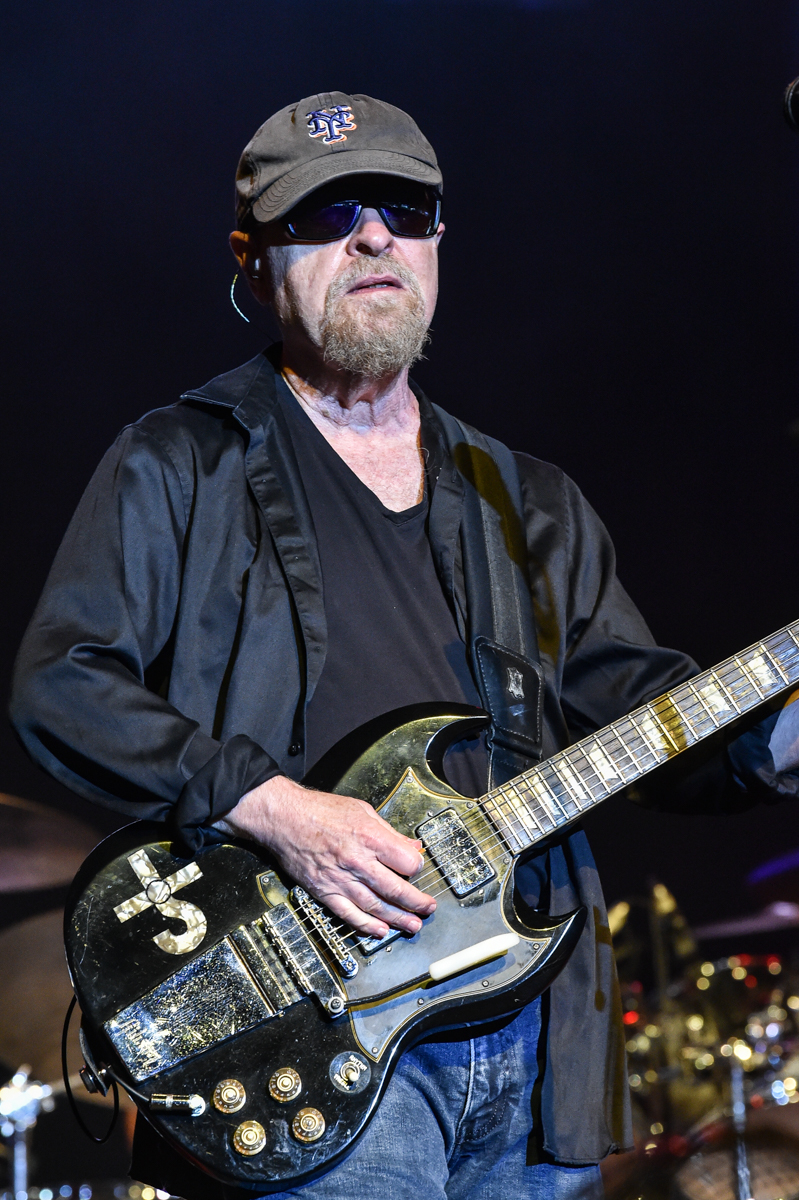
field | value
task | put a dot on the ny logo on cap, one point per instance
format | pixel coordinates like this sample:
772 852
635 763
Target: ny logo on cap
327 123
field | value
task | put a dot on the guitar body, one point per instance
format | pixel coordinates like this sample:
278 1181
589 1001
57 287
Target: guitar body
215 978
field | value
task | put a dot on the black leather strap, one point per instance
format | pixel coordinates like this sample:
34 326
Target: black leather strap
502 636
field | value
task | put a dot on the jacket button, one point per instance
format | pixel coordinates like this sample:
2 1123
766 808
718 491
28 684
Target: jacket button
294 749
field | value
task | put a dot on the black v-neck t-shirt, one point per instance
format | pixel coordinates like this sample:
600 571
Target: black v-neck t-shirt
392 639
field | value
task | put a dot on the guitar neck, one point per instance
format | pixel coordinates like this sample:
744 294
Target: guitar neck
555 793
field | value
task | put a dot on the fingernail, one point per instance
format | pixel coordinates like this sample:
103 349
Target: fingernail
415 925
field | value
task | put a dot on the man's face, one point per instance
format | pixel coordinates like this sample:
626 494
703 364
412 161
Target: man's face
362 303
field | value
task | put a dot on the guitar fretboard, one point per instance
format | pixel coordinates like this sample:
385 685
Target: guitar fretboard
556 792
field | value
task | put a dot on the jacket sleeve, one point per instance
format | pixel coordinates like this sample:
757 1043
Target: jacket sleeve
80 701
610 665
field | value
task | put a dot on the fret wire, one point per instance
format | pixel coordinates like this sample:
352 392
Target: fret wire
630 719
735 680
656 754
532 783
567 787
526 809
582 775
511 814
790 661
555 800
620 740
684 718
703 703
504 824
791 635
775 666
783 639
579 747
728 695
637 753
577 784
725 672
752 679
732 665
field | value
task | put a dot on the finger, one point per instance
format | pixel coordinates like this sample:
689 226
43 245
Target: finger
394 890
411 847
399 853
352 915
373 906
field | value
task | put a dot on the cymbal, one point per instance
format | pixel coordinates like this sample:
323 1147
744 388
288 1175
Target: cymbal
782 914
40 847
35 992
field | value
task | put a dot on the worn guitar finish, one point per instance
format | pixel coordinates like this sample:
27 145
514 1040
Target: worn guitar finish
249 999
260 1034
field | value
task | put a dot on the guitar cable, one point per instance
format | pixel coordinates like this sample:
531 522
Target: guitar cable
68 1086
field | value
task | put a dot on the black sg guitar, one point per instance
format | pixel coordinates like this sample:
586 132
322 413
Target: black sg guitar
256 1032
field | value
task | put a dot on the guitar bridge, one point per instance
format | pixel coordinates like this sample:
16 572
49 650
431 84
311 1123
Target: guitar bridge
302 958
455 852
321 922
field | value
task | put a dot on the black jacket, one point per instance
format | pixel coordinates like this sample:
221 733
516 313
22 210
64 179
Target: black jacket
182 631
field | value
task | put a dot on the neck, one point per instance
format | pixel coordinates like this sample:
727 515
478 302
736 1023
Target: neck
338 400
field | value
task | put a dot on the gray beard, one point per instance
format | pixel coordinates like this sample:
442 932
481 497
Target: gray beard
380 338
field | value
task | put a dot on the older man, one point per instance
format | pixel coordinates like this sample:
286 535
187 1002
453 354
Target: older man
307 543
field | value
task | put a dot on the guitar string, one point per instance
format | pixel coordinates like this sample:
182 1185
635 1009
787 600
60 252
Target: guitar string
611 739
670 701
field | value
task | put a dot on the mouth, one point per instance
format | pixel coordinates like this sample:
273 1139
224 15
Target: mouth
373 283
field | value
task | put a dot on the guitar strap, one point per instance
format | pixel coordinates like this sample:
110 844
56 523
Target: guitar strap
501 626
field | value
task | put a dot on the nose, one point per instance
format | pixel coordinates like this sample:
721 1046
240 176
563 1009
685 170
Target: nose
371 235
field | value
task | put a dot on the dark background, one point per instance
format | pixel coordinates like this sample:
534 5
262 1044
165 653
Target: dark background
619 287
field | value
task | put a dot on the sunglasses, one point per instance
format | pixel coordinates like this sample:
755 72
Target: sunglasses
408 209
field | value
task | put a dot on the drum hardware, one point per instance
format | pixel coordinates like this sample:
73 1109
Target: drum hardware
21 1102
742 1175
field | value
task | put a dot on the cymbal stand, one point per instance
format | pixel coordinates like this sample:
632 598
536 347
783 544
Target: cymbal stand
742 1177
20 1104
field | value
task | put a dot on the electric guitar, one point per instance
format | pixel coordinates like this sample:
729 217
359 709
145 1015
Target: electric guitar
255 1032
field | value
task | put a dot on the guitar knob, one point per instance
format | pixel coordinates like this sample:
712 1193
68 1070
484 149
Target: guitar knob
285 1084
308 1125
249 1138
229 1096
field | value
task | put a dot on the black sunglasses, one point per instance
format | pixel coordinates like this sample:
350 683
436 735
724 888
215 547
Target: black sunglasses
408 209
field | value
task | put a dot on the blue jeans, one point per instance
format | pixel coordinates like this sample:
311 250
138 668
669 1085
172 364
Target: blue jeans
454 1125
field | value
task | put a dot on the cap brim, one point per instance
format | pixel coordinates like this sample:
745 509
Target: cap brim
295 185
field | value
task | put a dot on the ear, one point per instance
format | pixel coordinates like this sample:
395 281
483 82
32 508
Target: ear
251 263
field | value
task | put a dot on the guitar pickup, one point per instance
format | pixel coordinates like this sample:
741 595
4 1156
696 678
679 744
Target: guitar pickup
455 852
305 963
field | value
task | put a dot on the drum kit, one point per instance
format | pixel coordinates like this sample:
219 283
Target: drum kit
40 1157
712 1050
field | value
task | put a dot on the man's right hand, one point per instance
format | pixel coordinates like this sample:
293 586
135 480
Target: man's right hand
338 848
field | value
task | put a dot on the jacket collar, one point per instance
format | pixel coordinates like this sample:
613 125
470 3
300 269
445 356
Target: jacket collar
249 390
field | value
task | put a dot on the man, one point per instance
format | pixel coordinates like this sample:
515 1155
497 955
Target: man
297 548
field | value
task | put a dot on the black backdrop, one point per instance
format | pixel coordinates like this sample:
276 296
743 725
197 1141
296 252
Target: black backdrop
619 286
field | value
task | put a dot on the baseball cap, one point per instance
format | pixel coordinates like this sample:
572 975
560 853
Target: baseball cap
325 137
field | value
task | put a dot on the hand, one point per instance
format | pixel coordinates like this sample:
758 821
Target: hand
339 849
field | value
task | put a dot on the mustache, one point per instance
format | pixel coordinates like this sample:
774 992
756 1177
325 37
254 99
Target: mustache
363 266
